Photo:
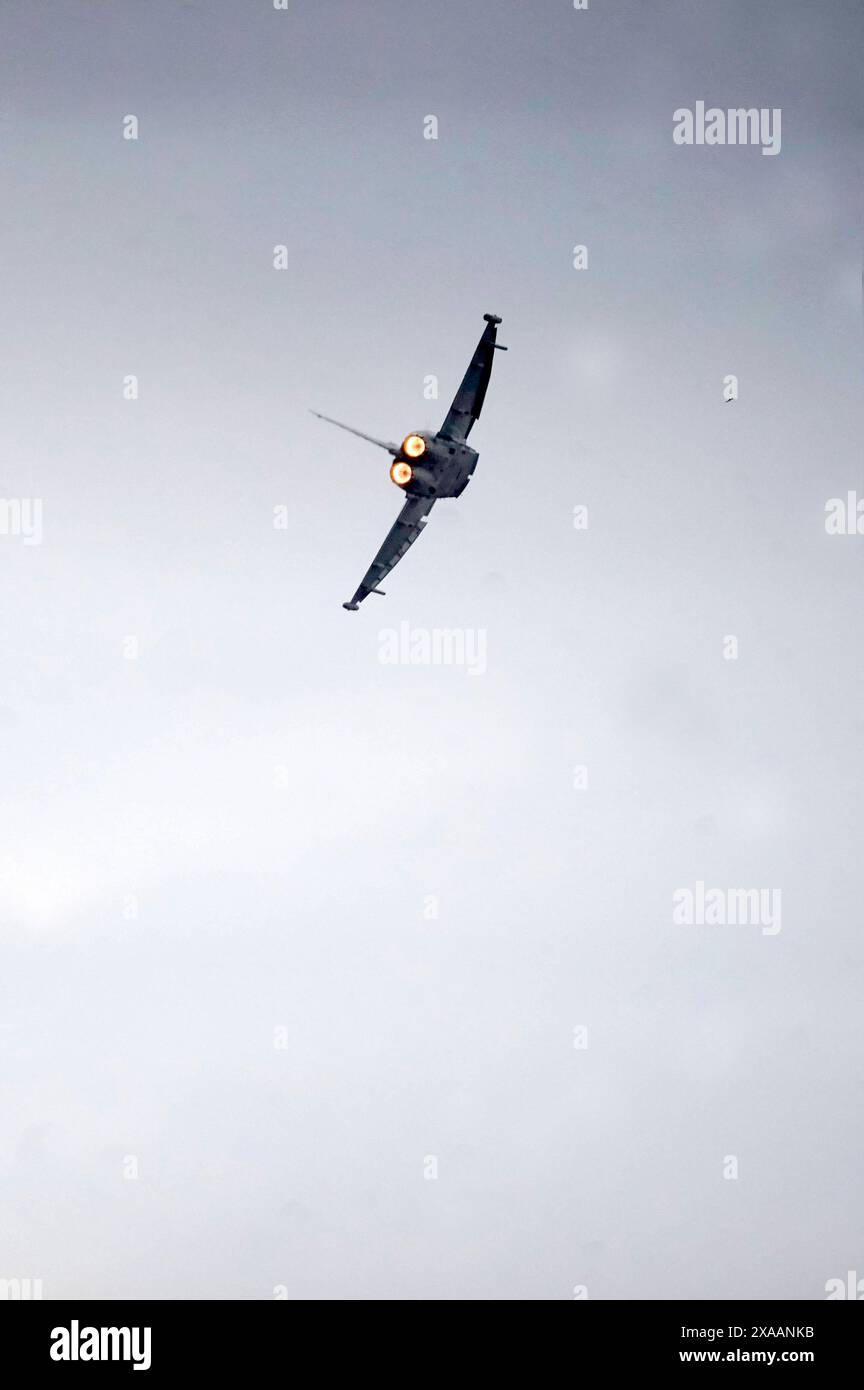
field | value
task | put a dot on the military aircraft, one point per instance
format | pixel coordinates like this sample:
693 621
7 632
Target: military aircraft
428 466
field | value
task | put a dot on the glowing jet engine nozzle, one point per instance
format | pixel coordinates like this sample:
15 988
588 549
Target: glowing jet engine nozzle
414 446
401 473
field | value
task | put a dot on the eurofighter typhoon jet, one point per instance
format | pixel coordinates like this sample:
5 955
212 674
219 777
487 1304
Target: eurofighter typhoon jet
428 466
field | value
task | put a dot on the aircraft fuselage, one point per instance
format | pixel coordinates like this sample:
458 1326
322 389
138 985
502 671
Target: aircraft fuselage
442 470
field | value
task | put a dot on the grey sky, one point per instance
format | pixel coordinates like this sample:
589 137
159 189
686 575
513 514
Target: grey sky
280 803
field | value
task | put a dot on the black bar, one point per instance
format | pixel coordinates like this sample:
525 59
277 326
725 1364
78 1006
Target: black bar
212 1339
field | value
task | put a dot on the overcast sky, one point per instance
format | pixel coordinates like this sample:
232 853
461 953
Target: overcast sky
221 859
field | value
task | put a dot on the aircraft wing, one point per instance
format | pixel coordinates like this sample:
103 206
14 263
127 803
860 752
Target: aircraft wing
468 401
402 534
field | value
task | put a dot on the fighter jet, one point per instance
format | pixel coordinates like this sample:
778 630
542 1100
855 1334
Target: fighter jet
428 466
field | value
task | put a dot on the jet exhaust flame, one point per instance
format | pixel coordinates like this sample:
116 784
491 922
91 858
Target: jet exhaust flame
414 446
401 473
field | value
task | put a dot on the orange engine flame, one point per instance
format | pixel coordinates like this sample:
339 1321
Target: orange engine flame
414 446
401 473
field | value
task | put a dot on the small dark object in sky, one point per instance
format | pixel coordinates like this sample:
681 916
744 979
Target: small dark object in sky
428 466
